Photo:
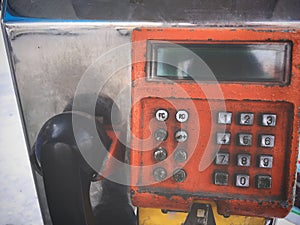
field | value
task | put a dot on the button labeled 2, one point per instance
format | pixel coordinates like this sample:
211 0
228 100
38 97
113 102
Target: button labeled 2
246 119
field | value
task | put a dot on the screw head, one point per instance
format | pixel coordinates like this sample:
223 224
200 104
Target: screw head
160 154
179 175
159 174
180 155
160 134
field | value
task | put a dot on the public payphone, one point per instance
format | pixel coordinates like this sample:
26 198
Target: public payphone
237 148
213 106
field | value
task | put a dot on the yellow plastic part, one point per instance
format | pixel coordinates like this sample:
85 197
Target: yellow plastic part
149 216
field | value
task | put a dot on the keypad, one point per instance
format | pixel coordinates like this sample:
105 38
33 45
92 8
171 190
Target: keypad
245 140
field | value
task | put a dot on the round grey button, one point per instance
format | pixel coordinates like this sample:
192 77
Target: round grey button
179 175
159 174
161 115
160 154
181 136
182 116
161 134
180 155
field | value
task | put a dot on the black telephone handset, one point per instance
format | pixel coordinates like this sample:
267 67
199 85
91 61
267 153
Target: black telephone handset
67 176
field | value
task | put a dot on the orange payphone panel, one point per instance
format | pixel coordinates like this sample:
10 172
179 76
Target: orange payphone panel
214 118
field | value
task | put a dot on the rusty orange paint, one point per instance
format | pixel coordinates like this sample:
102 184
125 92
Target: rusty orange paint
255 98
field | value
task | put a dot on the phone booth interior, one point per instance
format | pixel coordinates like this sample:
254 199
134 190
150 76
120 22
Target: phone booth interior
199 119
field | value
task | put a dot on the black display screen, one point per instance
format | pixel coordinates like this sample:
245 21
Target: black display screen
239 62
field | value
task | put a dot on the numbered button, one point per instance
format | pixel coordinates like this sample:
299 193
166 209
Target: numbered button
246 119
161 134
269 120
265 161
223 138
245 139
242 180
263 181
224 117
222 158
267 141
181 136
221 178
182 116
243 160
161 115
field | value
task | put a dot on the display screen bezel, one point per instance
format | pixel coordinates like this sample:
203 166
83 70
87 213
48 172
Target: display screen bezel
284 79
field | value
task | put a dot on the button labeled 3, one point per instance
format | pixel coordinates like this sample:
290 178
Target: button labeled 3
269 120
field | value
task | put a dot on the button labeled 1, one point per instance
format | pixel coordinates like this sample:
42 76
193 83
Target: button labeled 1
161 115
224 117
181 136
182 116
